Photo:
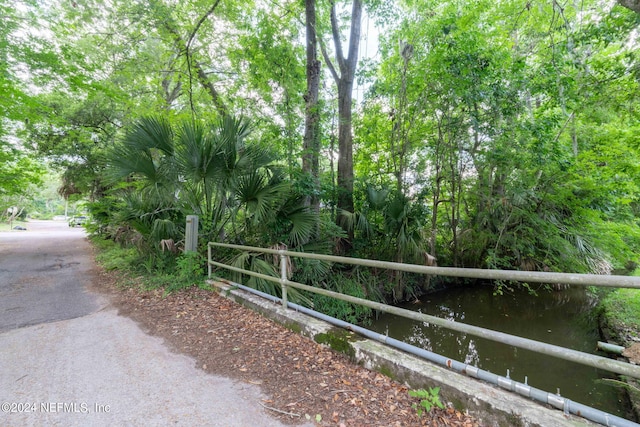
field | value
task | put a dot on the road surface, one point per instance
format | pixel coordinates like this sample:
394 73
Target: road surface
68 359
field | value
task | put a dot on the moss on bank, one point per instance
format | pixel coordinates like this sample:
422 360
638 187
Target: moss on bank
339 340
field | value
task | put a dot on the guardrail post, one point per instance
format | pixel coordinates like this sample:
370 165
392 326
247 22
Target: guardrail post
283 279
512 340
191 234
209 259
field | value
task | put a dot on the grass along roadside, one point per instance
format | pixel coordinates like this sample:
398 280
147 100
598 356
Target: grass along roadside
171 273
5 226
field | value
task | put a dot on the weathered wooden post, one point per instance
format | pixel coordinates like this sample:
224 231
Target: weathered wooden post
191 234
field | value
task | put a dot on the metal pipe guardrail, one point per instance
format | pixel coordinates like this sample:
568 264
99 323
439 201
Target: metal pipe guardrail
555 400
473 273
525 343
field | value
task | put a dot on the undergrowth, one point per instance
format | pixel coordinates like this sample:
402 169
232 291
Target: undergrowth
429 399
621 309
167 271
343 310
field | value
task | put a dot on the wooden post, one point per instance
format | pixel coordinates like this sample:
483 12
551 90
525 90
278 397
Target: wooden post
191 234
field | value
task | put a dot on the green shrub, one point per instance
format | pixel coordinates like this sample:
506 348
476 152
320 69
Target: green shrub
352 313
189 271
621 309
152 270
112 256
428 400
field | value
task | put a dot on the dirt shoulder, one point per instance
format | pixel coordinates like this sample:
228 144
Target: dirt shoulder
302 379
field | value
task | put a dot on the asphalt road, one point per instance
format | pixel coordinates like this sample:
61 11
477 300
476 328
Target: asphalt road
68 359
44 273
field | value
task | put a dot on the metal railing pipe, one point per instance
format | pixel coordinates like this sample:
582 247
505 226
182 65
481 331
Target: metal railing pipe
520 342
473 273
555 400
283 279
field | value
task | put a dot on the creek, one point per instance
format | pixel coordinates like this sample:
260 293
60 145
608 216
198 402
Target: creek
565 318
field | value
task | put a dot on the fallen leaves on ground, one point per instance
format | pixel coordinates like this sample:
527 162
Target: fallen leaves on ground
303 381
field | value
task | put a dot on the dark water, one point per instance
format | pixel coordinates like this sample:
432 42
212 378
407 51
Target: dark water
563 318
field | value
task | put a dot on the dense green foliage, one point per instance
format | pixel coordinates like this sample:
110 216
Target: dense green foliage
621 313
490 135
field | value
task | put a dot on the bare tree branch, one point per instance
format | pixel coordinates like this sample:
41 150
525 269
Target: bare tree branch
202 75
327 59
200 22
335 31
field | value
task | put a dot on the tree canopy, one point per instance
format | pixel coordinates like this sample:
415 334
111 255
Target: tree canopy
484 134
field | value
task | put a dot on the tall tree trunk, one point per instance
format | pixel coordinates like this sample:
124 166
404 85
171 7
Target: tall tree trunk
401 123
630 4
345 147
311 147
344 77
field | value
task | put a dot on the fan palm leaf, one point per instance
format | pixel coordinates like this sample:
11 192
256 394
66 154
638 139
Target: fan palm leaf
152 132
356 221
198 152
303 224
377 199
259 196
164 229
254 262
144 151
126 160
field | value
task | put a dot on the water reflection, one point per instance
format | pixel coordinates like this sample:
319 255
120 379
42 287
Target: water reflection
562 318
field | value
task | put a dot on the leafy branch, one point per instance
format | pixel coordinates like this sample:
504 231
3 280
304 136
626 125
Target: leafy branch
428 400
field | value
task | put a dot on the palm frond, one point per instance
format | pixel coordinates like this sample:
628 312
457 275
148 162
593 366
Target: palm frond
303 225
152 132
363 225
396 212
142 151
125 161
347 219
229 138
191 152
164 229
234 129
253 262
253 190
192 196
356 221
311 271
377 199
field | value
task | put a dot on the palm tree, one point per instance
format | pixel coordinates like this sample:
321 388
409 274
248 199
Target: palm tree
391 225
191 166
210 170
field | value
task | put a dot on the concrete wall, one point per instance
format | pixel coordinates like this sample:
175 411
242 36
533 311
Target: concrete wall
491 405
